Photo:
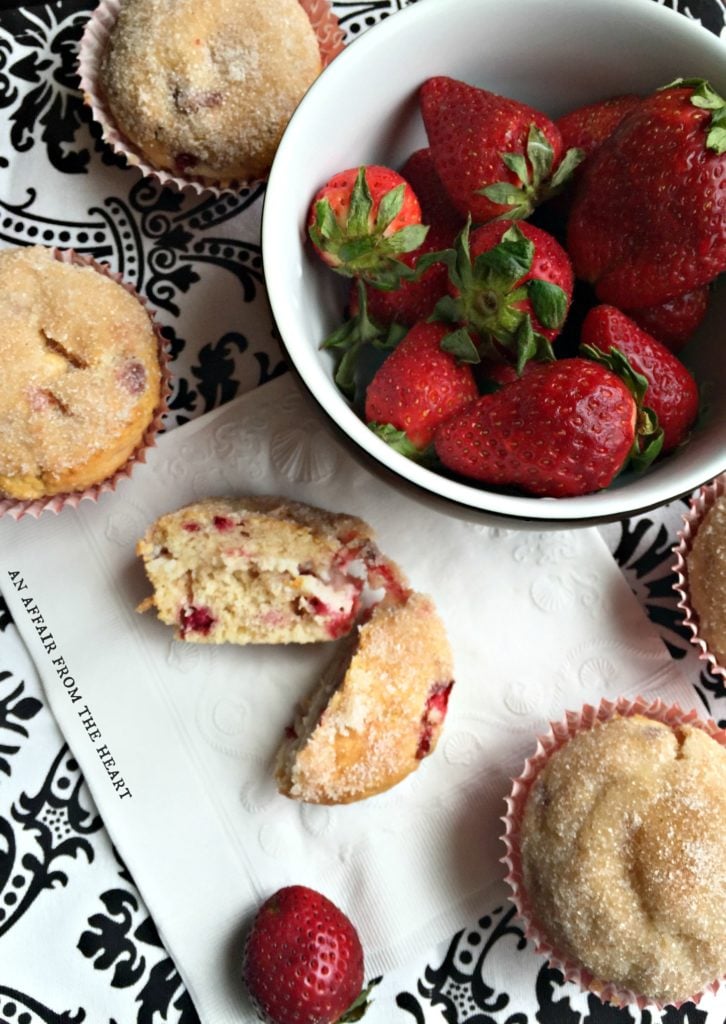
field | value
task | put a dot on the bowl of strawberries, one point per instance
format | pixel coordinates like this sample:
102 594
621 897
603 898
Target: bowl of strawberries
494 241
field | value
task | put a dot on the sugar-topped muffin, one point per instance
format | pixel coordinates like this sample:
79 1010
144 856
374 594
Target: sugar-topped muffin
377 712
206 87
707 578
79 359
623 850
261 570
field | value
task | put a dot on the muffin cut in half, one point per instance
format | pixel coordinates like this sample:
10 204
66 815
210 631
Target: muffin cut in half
376 713
264 570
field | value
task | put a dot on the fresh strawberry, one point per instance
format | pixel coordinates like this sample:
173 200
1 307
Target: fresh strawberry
418 387
565 428
587 127
496 157
436 207
511 284
303 961
648 219
363 220
674 322
414 300
671 394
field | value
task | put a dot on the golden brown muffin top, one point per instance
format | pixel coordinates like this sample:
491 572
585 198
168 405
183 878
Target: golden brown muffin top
79 365
383 715
707 578
623 848
206 87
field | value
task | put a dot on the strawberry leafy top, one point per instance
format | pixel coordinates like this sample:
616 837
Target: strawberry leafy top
492 300
363 246
354 334
705 97
534 172
648 441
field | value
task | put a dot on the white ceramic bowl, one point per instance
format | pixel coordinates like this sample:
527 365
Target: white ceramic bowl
552 54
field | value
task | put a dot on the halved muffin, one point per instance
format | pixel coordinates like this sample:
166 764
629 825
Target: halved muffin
376 713
264 570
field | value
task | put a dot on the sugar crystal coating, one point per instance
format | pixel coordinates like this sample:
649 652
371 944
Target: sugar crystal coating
623 845
206 87
707 578
81 377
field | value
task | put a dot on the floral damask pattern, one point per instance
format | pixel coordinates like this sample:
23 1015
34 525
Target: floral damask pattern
176 249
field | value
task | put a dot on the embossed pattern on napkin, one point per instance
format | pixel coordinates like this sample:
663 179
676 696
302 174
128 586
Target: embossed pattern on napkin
539 622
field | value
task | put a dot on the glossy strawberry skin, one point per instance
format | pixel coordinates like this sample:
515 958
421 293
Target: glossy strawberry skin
587 127
412 300
468 129
565 428
377 241
437 210
648 220
419 385
674 322
303 961
415 300
672 393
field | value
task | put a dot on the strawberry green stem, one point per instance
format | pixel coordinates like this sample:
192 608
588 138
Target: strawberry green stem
534 174
361 246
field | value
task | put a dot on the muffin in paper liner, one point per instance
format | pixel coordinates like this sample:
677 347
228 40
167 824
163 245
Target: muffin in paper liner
560 734
98 29
699 506
17 508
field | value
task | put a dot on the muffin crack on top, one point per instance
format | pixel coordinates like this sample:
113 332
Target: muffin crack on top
82 376
622 846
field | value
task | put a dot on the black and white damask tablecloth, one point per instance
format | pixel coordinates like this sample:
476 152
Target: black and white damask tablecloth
76 942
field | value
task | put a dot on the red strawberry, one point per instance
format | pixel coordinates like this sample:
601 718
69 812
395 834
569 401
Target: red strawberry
565 428
587 127
303 961
648 219
511 283
674 322
437 209
671 394
415 299
496 157
418 387
363 220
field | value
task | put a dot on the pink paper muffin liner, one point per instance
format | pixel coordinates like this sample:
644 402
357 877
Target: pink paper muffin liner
15 508
559 735
700 504
93 43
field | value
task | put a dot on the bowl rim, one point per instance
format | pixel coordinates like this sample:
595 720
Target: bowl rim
608 505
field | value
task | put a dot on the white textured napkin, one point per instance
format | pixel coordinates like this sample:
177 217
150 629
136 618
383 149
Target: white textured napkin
176 740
